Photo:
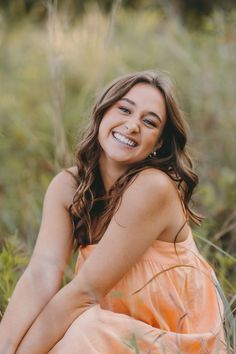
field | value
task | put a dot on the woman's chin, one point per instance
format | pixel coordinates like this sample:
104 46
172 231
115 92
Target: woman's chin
121 158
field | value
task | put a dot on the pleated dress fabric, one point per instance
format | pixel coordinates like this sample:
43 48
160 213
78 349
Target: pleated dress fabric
166 303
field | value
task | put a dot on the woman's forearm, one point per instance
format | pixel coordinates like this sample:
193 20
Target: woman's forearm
31 294
7 347
54 320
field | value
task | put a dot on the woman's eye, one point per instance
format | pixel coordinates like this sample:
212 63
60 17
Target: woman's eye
124 109
150 122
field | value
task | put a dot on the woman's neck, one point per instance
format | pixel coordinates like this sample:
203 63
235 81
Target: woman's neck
110 172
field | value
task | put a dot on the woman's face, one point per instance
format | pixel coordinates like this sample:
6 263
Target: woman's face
132 127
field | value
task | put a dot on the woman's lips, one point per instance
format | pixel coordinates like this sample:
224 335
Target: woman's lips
123 139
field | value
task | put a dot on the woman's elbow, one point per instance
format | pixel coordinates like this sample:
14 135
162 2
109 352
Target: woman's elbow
43 278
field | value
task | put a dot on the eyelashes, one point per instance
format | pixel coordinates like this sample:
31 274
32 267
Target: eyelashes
150 122
126 110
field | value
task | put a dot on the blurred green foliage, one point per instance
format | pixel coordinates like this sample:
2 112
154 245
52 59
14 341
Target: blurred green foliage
50 73
13 261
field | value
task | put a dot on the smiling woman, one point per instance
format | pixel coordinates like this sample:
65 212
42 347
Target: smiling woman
140 284
130 129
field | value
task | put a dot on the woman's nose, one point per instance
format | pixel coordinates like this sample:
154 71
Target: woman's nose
132 126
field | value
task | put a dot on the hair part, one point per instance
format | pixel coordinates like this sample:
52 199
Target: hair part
91 202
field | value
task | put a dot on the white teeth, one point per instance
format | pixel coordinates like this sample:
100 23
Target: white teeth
123 139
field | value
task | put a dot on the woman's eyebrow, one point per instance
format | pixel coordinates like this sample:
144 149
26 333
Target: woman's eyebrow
134 104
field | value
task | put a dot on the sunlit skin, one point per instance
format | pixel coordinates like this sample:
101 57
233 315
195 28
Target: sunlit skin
139 241
140 116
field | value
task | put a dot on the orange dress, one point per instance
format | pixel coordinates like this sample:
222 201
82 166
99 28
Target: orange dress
166 303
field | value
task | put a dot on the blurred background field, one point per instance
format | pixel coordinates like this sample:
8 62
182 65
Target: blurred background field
56 56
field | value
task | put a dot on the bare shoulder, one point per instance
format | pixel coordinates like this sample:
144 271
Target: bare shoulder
142 217
153 183
63 186
72 170
155 175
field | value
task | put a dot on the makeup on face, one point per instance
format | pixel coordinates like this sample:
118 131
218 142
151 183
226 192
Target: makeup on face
131 128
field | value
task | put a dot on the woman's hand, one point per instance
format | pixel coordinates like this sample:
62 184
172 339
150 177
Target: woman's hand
42 278
55 319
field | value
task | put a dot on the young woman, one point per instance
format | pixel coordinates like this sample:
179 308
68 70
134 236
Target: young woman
140 281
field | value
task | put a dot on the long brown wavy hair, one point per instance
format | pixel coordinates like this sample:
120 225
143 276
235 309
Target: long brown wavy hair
91 203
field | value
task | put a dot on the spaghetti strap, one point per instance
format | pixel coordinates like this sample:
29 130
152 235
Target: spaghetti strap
184 211
181 228
182 203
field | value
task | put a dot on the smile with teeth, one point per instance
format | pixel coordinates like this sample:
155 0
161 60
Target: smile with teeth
121 138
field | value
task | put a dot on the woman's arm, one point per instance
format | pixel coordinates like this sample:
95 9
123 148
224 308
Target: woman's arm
31 294
142 216
52 323
42 277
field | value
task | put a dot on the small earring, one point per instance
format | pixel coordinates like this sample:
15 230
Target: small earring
153 154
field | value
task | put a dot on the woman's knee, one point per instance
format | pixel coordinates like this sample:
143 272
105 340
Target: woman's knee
78 332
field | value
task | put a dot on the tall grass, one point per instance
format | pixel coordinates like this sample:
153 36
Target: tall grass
50 74
13 260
